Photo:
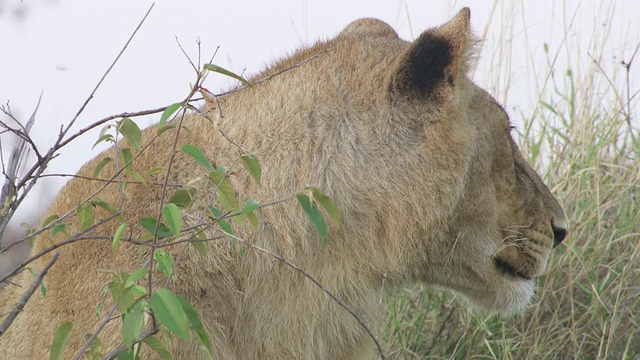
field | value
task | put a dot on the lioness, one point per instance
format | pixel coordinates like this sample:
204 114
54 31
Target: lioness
429 183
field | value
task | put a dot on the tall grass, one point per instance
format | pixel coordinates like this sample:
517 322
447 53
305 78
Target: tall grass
582 138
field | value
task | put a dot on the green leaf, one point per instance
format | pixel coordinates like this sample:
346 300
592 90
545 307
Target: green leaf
150 225
250 206
85 216
100 305
171 214
251 163
164 262
195 153
136 176
94 351
115 286
125 157
29 233
253 220
326 203
128 354
156 345
314 215
59 228
188 131
131 132
126 298
132 324
160 130
133 278
223 71
248 211
43 289
168 310
166 114
224 225
154 170
196 324
101 165
105 137
98 201
199 246
118 235
182 198
140 291
226 194
60 340
49 220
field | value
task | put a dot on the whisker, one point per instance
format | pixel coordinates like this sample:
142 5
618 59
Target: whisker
510 237
453 248
505 246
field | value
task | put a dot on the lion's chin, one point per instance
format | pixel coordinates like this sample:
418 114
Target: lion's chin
514 298
512 295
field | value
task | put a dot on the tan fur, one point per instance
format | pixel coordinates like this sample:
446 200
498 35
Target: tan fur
429 183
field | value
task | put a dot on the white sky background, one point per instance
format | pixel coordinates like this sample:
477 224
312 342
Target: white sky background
63 47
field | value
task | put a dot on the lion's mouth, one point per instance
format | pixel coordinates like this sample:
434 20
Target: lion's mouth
509 270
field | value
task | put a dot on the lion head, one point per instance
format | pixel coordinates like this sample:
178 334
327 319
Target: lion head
501 221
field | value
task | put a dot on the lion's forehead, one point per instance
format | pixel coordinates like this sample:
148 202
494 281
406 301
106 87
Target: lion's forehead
369 27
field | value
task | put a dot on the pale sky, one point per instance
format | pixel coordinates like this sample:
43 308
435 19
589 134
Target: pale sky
62 47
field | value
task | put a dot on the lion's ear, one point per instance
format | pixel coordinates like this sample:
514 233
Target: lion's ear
431 65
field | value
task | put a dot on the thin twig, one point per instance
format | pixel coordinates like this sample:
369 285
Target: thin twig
110 181
317 283
95 333
27 294
72 239
196 69
164 190
31 177
267 78
122 348
104 76
109 118
107 182
23 133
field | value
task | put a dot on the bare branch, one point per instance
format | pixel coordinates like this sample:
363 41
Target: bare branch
195 68
36 171
76 176
95 333
27 294
122 348
70 240
104 76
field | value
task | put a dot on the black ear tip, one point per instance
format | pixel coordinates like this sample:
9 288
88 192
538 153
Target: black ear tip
433 62
426 64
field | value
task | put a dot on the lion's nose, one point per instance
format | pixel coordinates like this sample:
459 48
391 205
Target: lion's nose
559 233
